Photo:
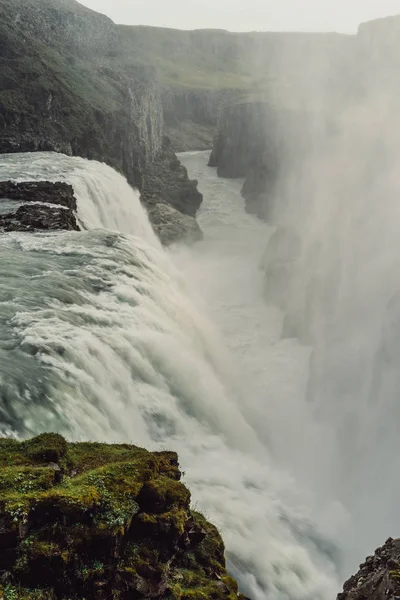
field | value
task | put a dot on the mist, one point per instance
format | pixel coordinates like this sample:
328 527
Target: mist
332 266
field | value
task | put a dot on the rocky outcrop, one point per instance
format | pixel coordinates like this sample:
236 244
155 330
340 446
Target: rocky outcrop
39 191
166 180
378 577
39 206
96 521
172 226
39 217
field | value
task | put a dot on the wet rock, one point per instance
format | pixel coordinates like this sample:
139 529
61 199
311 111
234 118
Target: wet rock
46 206
39 191
171 226
39 217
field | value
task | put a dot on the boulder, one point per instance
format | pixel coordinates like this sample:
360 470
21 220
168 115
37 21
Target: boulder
172 226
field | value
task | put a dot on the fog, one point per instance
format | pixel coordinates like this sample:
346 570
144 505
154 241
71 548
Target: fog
255 15
336 200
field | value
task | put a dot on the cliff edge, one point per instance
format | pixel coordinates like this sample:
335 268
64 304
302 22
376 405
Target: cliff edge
99 521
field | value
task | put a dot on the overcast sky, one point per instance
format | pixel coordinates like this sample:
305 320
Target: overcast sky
247 15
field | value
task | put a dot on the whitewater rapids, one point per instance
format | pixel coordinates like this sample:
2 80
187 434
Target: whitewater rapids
103 336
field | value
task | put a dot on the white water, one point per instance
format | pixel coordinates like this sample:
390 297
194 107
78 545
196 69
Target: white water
102 338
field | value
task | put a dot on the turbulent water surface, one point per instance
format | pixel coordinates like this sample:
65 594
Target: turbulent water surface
104 336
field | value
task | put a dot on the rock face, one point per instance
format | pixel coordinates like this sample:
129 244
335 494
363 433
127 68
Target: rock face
96 521
378 577
166 180
191 115
240 138
172 226
45 206
259 143
68 89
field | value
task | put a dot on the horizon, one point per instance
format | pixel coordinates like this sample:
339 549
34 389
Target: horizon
260 16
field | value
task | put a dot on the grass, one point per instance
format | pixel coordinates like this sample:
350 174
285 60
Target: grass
78 515
181 59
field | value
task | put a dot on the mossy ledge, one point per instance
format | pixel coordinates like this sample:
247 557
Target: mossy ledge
83 521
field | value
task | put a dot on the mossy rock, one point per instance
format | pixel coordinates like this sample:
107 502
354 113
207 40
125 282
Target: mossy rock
48 447
99 521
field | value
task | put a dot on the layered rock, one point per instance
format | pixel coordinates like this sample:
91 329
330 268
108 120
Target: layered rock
378 577
96 521
39 191
39 206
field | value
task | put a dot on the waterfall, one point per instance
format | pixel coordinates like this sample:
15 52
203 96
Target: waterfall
102 338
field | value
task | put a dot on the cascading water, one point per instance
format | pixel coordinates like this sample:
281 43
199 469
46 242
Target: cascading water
100 338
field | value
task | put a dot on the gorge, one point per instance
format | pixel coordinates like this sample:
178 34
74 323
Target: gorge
264 352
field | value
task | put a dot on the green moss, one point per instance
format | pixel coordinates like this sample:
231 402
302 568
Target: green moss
395 574
115 516
48 447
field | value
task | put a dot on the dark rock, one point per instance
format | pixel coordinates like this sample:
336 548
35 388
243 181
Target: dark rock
39 217
166 180
279 265
39 191
50 206
378 577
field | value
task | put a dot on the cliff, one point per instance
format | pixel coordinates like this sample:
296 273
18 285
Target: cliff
96 521
301 104
62 89
260 143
